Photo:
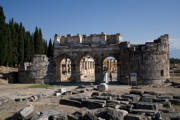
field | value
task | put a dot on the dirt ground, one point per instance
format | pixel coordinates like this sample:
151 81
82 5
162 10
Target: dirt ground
8 92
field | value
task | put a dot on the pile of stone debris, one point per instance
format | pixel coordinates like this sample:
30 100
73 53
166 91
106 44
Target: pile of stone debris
28 99
103 105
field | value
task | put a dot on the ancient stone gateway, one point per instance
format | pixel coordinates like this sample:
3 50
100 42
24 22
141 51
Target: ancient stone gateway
149 61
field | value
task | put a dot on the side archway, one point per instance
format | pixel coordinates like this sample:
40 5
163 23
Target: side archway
63 68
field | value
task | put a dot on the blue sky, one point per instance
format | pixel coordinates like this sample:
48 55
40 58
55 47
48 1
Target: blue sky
138 21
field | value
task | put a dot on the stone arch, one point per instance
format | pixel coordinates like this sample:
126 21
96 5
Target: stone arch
61 66
110 65
87 68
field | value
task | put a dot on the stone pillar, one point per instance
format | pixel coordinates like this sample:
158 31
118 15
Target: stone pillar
99 71
118 70
75 71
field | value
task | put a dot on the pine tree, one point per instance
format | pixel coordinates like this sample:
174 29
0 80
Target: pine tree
41 46
3 38
21 32
16 44
10 46
14 39
27 47
50 49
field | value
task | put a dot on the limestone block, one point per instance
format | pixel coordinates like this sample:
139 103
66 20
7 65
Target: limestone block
70 102
102 87
148 98
132 97
62 90
93 103
145 105
137 92
27 112
133 117
57 94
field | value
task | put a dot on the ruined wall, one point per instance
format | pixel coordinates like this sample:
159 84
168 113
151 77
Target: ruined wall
150 61
93 39
40 70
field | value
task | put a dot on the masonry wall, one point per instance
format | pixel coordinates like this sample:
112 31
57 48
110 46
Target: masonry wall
150 61
40 70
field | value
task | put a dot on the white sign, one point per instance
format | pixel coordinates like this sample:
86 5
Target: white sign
133 77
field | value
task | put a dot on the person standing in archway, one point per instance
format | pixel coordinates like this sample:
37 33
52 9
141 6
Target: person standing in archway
106 77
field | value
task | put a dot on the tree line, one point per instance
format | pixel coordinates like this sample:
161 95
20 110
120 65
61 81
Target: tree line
18 45
174 61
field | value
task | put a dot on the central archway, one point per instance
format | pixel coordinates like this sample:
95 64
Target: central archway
87 69
110 66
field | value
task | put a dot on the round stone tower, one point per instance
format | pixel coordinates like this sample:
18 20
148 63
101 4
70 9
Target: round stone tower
155 61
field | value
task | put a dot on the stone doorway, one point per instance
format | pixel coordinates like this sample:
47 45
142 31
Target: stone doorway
87 69
65 70
110 66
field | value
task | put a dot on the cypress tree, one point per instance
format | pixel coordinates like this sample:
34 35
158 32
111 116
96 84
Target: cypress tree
41 46
50 49
27 47
10 46
14 39
17 45
3 38
21 33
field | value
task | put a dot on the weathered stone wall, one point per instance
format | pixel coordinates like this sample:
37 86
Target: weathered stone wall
93 39
39 71
150 61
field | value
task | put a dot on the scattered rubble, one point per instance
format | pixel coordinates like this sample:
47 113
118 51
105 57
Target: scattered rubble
29 99
104 105
102 87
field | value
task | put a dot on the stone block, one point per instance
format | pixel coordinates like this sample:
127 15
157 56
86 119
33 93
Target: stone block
147 98
67 93
111 113
127 107
95 94
136 92
72 117
145 105
102 87
130 116
62 90
170 116
150 92
89 116
113 95
175 101
58 117
165 96
92 103
143 111
27 112
70 102
176 97
57 94
78 98
133 97
79 114
103 97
